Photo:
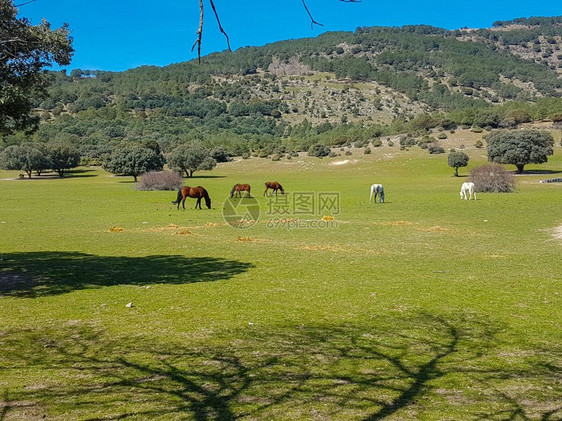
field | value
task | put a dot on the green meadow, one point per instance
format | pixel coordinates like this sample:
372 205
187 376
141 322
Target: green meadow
424 307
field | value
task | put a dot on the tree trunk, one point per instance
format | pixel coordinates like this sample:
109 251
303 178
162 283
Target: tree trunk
456 171
29 173
520 168
135 177
191 173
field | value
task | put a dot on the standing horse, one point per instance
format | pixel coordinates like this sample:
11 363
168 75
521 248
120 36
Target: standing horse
274 185
467 191
194 192
377 189
239 188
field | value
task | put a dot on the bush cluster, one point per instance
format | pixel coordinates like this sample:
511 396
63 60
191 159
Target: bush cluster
160 180
492 178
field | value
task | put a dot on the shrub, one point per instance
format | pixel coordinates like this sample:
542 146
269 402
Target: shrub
367 151
276 157
377 143
160 180
435 148
219 154
390 143
332 154
476 129
556 117
246 155
407 141
478 144
441 136
318 150
348 153
492 178
457 160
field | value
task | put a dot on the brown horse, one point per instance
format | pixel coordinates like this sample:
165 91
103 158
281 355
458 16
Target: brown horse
239 188
274 185
194 192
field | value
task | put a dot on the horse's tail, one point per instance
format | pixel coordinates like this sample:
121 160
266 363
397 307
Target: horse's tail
179 197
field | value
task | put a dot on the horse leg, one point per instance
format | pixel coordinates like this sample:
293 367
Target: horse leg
198 203
371 197
183 202
265 192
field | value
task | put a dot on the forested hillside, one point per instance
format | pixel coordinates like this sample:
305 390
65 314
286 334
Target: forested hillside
337 87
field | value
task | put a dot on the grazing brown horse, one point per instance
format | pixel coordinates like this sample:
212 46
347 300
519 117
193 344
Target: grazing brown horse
239 188
274 185
194 192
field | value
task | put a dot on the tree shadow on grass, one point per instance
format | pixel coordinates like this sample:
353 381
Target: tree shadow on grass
398 366
538 172
38 274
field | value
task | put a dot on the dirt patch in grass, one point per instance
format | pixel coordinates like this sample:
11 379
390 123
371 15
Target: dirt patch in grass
184 232
320 247
247 239
398 223
435 228
557 232
169 227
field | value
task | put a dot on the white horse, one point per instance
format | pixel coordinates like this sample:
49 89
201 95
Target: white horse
467 191
377 189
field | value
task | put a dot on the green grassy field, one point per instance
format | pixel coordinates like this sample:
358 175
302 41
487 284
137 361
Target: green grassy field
425 307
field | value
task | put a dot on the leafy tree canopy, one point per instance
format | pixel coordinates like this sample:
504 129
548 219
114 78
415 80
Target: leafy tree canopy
134 160
25 50
456 160
519 148
188 159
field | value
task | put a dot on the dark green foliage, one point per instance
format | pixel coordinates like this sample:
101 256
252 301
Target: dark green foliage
456 160
25 50
519 147
435 148
28 157
62 156
318 150
133 160
219 154
188 159
407 141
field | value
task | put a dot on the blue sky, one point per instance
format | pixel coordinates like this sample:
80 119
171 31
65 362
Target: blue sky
119 34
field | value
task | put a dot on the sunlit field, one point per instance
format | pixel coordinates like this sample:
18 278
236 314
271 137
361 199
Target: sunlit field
424 307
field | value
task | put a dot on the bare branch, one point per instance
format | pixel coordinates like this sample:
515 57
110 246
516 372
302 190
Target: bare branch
199 32
23 4
220 26
312 21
